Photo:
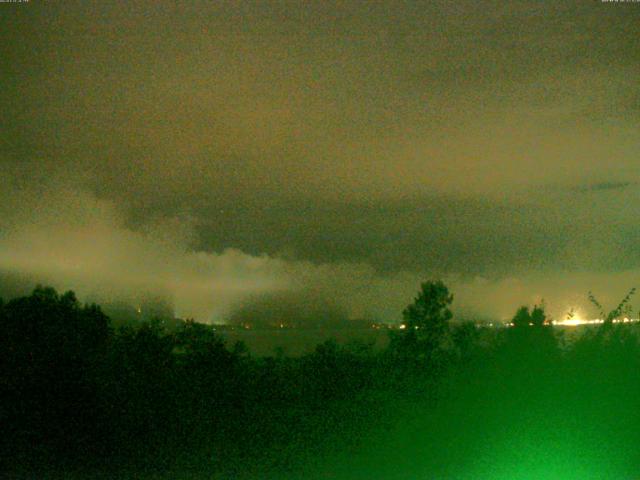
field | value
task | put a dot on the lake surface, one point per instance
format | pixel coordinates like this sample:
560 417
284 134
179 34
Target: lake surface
299 341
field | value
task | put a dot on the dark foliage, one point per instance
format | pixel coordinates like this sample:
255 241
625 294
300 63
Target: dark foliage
80 400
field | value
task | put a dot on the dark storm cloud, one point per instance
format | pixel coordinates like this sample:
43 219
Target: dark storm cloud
75 240
444 234
387 140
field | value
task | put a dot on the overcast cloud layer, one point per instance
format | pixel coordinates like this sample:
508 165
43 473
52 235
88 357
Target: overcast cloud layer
220 152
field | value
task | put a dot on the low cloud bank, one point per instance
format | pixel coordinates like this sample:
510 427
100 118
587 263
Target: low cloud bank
73 240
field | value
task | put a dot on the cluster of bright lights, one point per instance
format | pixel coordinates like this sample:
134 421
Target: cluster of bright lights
570 322
574 322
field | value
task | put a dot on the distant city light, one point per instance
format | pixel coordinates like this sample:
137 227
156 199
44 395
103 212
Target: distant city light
574 322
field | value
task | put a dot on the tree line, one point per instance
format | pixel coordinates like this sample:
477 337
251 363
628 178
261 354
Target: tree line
79 396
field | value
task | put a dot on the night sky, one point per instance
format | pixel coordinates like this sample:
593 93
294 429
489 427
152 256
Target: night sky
223 153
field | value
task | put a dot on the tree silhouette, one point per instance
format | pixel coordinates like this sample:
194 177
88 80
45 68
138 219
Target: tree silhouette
538 315
522 318
525 318
51 348
426 320
430 309
623 308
